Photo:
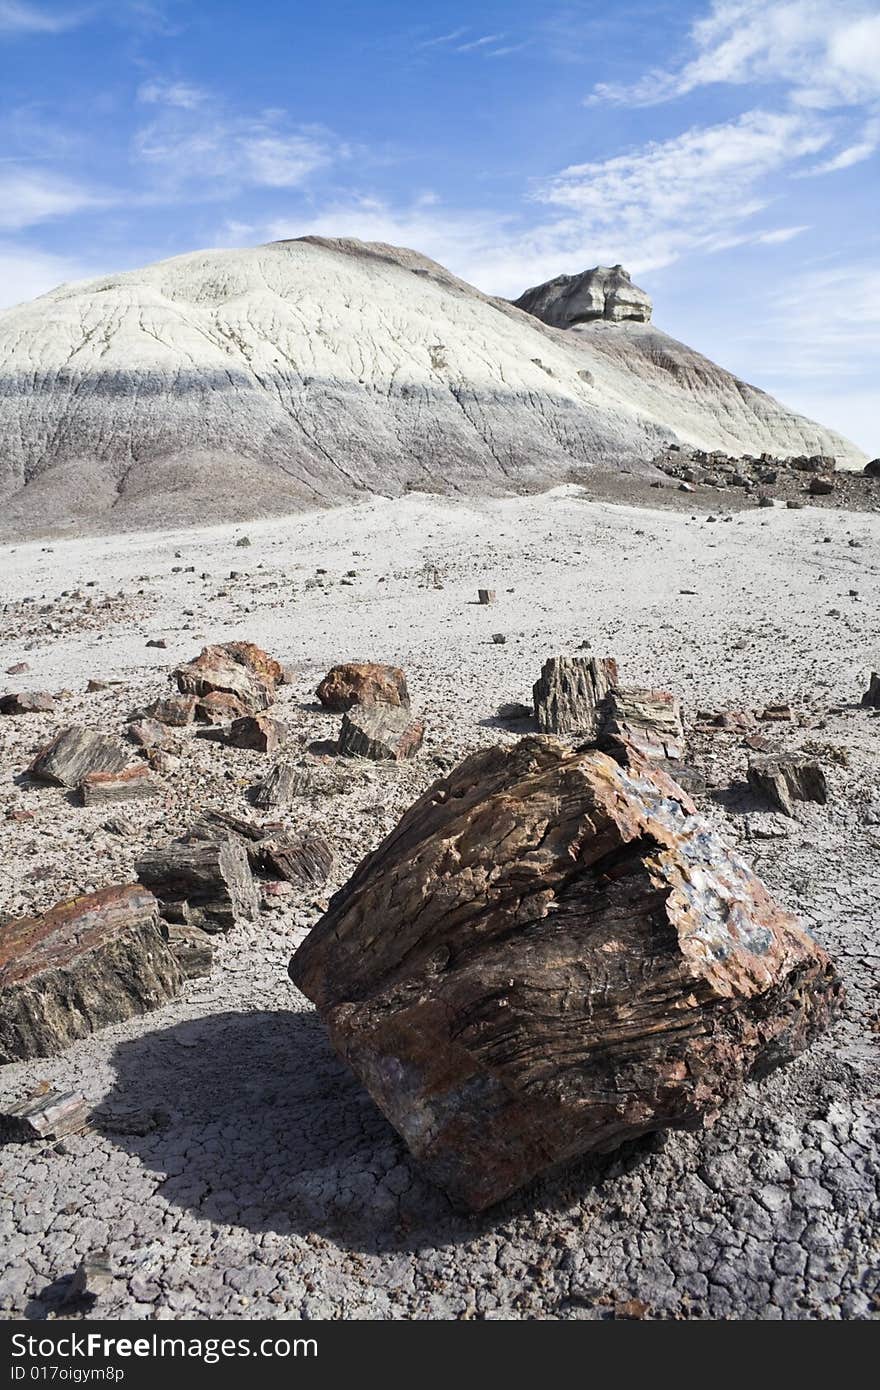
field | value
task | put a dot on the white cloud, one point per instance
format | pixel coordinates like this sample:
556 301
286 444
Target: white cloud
17 17
26 273
29 196
194 140
826 51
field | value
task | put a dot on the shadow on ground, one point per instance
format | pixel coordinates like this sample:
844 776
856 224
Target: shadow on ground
252 1121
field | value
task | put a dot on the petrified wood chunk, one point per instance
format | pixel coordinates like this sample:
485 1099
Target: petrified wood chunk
280 785
362 683
220 708
86 963
380 732
131 784
648 721
784 779
177 710
149 734
550 955
204 884
230 670
192 948
259 731
305 860
569 694
73 753
871 697
27 702
49 1116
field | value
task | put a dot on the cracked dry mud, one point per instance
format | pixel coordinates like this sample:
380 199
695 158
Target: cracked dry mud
235 1168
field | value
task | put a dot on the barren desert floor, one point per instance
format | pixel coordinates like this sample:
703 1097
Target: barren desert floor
234 1167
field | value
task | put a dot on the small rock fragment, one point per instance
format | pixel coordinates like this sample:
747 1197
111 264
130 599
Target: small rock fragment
871 697
27 702
305 860
50 1115
380 732
784 779
280 786
485 596
132 783
259 731
176 710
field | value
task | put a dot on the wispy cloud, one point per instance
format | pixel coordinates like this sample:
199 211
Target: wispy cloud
19 17
479 43
442 38
195 141
29 196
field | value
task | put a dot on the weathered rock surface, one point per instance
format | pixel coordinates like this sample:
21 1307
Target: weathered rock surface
549 956
785 778
131 784
569 695
192 948
199 389
149 733
380 732
201 883
95 960
74 753
47 1116
262 732
27 702
220 708
603 293
362 683
176 710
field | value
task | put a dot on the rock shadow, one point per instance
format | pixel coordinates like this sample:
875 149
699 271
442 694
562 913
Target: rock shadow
263 1127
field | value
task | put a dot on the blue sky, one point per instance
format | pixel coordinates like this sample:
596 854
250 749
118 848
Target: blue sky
726 152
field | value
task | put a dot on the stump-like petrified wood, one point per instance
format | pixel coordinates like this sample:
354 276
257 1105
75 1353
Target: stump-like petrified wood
380 732
569 695
784 779
200 883
86 963
280 785
648 721
550 955
362 683
75 752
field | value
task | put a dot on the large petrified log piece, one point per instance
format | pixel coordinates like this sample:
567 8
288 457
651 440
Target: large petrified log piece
568 696
86 963
784 779
201 883
362 683
132 783
75 752
236 668
648 721
380 732
550 955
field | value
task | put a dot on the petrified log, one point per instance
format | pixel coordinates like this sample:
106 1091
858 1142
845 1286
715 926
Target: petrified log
362 683
280 786
259 731
177 710
220 708
648 721
784 779
149 734
192 949
305 860
73 753
551 955
569 694
27 702
380 732
49 1116
205 884
86 963
231 669
485 596
871 697
131 784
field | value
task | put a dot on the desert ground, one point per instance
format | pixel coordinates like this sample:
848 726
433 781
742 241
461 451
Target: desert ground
234 1167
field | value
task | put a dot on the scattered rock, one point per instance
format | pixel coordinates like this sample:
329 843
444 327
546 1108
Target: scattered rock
96 960
784 779
236 668
648 721
821 487
380 732
363 683
200 883
514 712
499 639
485 596
260 731
176 710
92 1277
542 961
192 948
27 702
157 642
74 753
95 685
569 694
777 714
871 697
305 860
220 708
149 733
18 669
132 783
46 1116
